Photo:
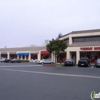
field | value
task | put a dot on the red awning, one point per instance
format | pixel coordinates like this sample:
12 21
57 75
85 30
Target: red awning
45 52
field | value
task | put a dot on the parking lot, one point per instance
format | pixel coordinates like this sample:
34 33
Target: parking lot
28 81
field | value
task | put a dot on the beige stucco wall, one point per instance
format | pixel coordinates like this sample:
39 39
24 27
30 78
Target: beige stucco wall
78 50
70 36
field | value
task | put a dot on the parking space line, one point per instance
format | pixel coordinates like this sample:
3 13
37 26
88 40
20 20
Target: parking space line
21 66
56 74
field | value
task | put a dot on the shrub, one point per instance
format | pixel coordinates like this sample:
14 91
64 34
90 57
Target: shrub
25 60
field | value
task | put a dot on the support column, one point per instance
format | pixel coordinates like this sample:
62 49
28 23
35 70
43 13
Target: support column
8 55
70 40
0 55
68 55
29 57
17 57
39 56
52 57
77 56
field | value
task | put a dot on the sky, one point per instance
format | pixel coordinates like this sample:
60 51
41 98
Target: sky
31 22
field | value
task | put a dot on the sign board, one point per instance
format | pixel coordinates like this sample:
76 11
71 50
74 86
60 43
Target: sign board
89 48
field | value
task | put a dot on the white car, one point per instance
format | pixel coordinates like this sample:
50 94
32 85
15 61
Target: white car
2 59
46 61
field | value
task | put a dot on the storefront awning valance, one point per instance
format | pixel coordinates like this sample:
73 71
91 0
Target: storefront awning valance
23 54
45 52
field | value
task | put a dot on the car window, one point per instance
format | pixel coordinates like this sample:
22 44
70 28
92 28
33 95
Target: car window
68 60
98 60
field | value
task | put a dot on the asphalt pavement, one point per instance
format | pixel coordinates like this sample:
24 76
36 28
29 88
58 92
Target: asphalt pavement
28 81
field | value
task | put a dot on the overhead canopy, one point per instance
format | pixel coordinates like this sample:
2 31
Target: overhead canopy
22 54
45 52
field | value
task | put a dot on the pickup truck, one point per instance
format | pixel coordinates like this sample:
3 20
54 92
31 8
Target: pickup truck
84 61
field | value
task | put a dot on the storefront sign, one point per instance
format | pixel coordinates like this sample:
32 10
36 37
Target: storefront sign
90 48
86 48
96 48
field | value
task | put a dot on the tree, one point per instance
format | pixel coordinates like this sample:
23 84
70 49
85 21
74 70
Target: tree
59 35
56 46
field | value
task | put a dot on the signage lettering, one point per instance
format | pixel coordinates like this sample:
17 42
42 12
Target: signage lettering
96 48
86 48
90 48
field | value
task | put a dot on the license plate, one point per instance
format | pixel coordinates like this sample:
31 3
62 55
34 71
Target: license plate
82 64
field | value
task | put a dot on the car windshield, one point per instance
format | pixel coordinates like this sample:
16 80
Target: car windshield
69 60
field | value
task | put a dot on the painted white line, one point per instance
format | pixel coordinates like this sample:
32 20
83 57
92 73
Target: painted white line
92 66
21 66
56 74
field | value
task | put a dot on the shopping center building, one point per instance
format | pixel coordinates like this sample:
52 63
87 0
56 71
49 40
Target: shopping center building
25 53
84 43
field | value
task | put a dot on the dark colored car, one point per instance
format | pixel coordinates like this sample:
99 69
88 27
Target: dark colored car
97 63
84 61
15 61
69 62
7 60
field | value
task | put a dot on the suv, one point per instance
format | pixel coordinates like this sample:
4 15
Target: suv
84 61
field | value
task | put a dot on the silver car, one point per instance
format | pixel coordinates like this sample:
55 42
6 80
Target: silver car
45 61
97 63
2 59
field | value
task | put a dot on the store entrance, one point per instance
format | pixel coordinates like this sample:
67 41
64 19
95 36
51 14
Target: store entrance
73 56
93 56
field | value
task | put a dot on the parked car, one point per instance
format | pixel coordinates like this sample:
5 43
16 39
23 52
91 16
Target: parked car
69 62
45 61
15 61
7 60
97 63
84 61
2 59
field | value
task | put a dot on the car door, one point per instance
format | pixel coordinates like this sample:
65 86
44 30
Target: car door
49 61
44 61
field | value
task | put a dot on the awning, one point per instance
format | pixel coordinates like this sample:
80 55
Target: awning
22 54
45 52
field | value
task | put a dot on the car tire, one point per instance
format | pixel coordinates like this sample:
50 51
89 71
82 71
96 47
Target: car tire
42 63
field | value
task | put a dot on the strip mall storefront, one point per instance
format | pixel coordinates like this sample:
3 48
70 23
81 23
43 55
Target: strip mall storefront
93 53
33 55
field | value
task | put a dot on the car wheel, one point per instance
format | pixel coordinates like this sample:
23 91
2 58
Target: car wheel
51 63
42 63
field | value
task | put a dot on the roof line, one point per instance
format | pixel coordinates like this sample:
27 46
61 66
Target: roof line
82 31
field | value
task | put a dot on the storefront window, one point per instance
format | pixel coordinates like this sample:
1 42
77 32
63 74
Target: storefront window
67 41
86 39
92 39
78 39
